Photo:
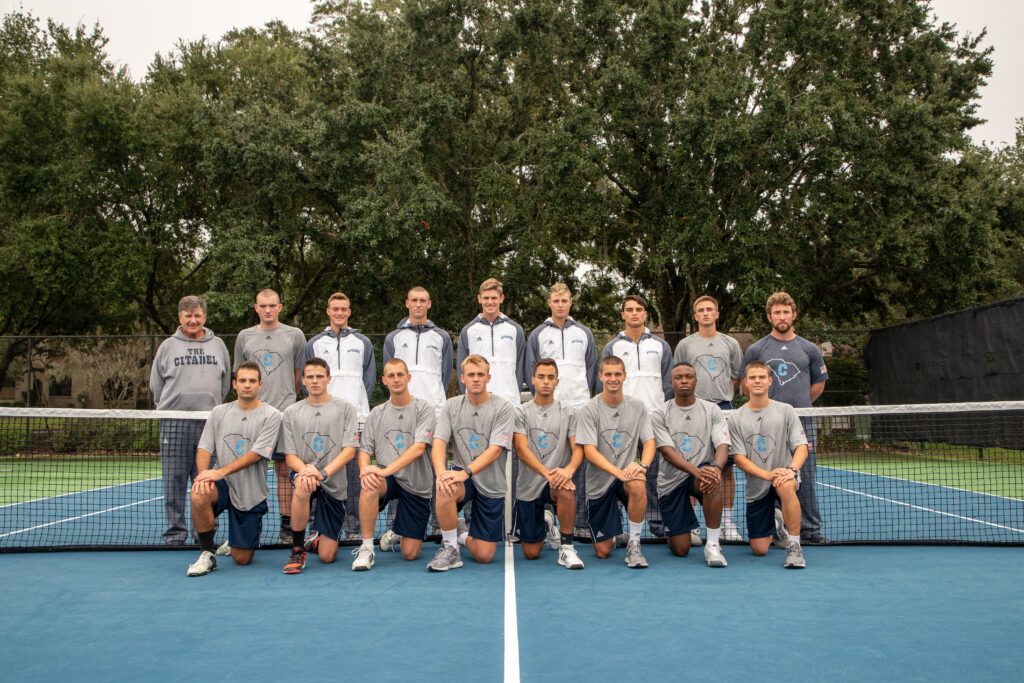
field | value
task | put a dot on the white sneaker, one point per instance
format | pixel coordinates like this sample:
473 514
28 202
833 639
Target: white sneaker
224 549
206 563
568 558
364 559
634 557
554 538
781 536
695 540
713 555
731 533
389 541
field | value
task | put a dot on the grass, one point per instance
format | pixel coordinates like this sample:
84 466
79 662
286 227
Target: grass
30 478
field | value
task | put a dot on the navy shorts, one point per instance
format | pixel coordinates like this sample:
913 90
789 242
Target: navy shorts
412 512
727 405
761 515
277 455
604 515
677 510
528 521
244 526
330 512
487 523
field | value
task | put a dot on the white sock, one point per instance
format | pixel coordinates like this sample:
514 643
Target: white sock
449 537
368 543
794 539
713 535
462 537
726 516
634 530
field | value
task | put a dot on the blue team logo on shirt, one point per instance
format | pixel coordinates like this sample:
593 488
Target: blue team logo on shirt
782 371
763 446
713 364
618 441
475 443
238 444
399 440
544 443
270 360
689 445
318 443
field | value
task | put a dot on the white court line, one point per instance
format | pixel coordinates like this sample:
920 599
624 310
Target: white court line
924 509
78 493
922 483
72 519
511 622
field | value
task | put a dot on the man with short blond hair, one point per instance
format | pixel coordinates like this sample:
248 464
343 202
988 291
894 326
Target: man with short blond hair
500 340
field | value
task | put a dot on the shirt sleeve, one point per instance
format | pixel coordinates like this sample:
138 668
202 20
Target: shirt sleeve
662 436
267 435
586 427
443 430
501 429
532 356
666 370
646 429
819 373
591 361
388 352
369 367
462 353
225 375
736 445
239 354
208 439
426 421
156 376
719 427
298 349
572 421
366 439
350 428
735 359
288 433
519 419
520 357
794 430
446 360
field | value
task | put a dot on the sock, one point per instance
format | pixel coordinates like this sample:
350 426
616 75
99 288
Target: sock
450 537
726 516
367 543
286 521
567 539
713 535
794 539
206 541
634 530
462 537
298 538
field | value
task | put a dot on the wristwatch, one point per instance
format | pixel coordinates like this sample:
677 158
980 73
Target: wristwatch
323 473
469 473
646 467
795 471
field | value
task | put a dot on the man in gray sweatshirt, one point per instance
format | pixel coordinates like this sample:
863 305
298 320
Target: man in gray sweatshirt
191 372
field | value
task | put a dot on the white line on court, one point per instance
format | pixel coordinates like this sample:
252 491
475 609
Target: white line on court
78 493
922 508
72 519
511 621
922 483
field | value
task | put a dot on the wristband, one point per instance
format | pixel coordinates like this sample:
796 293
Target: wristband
323 473
795 471
646 467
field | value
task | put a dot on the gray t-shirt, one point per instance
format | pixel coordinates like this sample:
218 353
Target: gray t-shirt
279 352
390 431
695 431
232 432
795 365
767 437
317 434
717 361
548 429
616 431
471 430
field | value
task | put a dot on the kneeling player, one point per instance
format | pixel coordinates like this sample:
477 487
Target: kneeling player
545 439
478 424
242 434
320 438
610 427
769 444
397 433
693 438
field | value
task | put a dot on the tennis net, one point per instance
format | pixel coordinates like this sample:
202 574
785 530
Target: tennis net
936 473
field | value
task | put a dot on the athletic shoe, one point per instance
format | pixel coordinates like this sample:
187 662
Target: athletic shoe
781 537
206 563
620 540
695 540
312 543
554 538
461 527
657 529
813 538
224 549
713 555
364 559
389 541
731 533
634 558
795 557
568 558
296 562
286 535
447 557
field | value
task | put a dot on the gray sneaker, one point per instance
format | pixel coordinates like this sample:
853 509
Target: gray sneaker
695 540
389 541
364 559
731 533
620 540
462 527
634 558
554 539
285 535
713 555
781 537
206 563
447 557
795 557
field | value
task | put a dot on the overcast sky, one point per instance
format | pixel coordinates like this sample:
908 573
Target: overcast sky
138 29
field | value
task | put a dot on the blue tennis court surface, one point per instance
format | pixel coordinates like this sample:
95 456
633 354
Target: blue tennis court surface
856 613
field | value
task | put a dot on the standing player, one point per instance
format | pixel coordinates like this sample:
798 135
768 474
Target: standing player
425 348
717 360
571 345
545 439
769 445
693 438
191 371
798 378
611 428
500 340
320 439
278 349
648 361
353 367
242 435
398 433
478 425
